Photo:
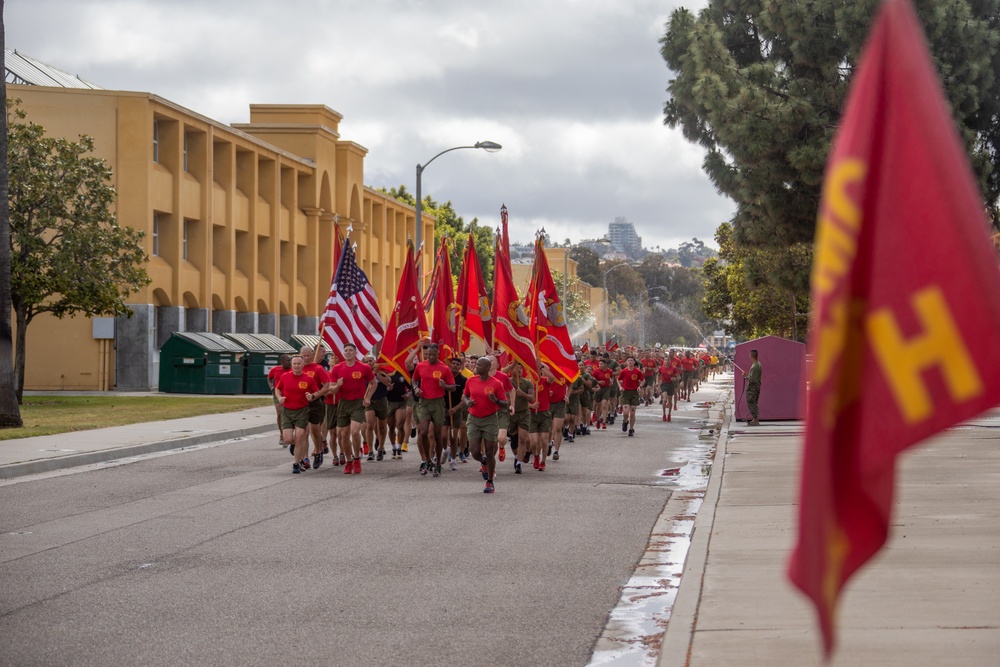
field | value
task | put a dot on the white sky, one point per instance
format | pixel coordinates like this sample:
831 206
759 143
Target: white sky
572 89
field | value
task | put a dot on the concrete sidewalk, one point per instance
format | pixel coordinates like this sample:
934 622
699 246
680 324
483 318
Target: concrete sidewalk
29 456
932 597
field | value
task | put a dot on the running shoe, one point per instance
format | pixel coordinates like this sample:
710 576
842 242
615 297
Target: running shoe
502 454
357 467
343 460
571 438
425 467
555 455
413 433
619 409
462 458
484 471
536 463
517 467
317 461
381 455
668 417
437 471
565 431
326 449
489 488
295 469
552 443
371 455
631 432
541 467
291 449
467 455
404 448
624 425
664 418
452 464
336 461
348 467
304 463
364 448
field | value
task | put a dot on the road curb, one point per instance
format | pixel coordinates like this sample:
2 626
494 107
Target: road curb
677 638
37 466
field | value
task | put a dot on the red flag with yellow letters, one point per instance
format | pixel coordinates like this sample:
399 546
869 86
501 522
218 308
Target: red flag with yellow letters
904 283
474 315
444 322
548 326
512 329
407 324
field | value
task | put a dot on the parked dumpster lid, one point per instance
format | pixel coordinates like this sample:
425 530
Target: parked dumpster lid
261 343
210 342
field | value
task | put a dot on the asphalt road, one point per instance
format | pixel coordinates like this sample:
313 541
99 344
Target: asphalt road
220 556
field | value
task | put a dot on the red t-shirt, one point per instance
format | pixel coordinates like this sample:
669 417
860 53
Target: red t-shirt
557 391
688 363
480 390
542 394
275 373
707 360
667 373
356 379
603 376
648 367
427 376
630 379
508 386
318 372
295 387
593 364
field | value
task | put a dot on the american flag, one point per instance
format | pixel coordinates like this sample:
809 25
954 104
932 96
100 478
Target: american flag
352 314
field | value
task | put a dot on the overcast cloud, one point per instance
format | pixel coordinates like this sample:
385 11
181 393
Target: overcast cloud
572 89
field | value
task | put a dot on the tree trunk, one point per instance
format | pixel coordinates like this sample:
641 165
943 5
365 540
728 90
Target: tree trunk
10 398
23 319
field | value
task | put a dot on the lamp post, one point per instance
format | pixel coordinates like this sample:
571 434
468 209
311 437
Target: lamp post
488 146
605 279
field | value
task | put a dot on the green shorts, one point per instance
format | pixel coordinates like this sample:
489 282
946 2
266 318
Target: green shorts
317 411
295 418
380 406
573 406
647 381
430 409
503 419
614 391
458 418
395 406
602 394
350 411
483 427
519 420
630 397
688 375
558 410
410 400
667 388
541 422
587 400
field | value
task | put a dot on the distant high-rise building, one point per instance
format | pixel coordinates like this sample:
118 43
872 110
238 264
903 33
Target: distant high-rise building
621 234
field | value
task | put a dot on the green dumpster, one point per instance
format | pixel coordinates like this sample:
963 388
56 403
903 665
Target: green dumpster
201 363
263 354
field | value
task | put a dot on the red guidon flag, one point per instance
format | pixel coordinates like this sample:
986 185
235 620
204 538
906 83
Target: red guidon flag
585 348
473 305
407 323
904 284
548 326
444 324
511 327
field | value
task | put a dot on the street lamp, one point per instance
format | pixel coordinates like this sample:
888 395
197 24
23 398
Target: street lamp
605 279
488 146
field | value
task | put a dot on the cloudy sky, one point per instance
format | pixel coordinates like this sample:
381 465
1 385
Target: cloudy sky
572 89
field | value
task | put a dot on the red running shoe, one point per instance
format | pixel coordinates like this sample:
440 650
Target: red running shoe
357 466
304 463
364 448
502 454
541 467
664 418
349 467
535 463
668 417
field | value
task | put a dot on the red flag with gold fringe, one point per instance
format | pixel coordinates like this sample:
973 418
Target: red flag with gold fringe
407 322
548 325
473 305
902 261
511 326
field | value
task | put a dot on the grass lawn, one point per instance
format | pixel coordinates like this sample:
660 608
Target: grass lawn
45 415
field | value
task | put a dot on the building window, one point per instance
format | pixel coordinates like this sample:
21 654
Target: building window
184 249
156 141
156 234
185 151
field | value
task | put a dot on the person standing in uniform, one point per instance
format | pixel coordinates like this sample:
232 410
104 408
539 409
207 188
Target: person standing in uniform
753 378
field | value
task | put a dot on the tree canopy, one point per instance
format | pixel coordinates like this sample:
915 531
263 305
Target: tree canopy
760 85
68 254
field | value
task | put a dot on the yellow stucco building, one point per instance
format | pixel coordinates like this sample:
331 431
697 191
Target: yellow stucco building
239 224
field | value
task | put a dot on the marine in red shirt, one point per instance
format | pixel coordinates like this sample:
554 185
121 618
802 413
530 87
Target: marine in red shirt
431 380
630 379
284 365
486 399
295 390
353 381
317 407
